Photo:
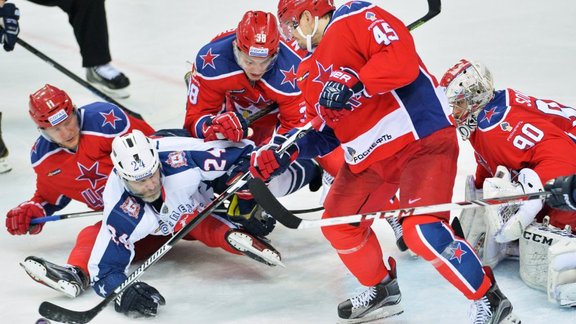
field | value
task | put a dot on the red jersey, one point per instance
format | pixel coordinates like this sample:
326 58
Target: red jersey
62 174
520 131
219 84
405 103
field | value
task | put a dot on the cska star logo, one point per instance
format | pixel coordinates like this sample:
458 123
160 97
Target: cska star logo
110 119
208 59
90 174
457 252
177 159
490 114
289 76
323 73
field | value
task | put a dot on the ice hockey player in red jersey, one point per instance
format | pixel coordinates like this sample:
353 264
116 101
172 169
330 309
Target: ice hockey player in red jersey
515 130
520 142
71 160
239 73
369 86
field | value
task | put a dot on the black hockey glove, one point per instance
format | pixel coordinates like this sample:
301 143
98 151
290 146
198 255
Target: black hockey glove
140 299
563 193
341 86
250 216
8 35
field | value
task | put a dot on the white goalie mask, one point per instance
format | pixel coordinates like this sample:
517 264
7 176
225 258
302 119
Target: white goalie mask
469 87
134 156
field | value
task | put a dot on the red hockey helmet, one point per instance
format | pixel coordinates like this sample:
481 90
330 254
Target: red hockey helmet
289 11
50 106
257 34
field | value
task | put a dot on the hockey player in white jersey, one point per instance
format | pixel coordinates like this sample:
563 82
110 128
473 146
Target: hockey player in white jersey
156 188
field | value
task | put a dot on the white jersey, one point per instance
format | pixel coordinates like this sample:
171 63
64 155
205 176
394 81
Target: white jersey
187 166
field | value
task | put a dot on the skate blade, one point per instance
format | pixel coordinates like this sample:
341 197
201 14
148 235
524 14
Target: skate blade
38 272
269 257
378 314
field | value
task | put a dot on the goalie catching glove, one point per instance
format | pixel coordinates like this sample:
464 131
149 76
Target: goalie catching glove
140 299
511 220
563 193
251 216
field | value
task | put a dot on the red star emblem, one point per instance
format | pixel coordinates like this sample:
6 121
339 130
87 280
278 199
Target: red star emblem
260 101
457 253
323 73
489 114
289 76
110 118
91 174
208 59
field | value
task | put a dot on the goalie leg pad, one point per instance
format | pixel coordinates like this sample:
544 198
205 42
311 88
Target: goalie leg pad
561 287
477 229
534 255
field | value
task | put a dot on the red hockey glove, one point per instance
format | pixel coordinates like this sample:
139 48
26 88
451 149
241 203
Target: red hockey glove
18 218
229 125
341 86
266 162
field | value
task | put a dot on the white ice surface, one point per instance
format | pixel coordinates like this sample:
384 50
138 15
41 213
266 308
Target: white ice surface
529 45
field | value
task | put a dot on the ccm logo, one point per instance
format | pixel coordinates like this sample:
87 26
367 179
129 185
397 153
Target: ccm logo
340 76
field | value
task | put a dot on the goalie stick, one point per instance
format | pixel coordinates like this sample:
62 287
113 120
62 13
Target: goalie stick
273 207
64 315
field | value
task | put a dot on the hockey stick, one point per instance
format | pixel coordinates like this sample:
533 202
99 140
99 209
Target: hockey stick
434 7
261 113
52 218
74 77
64 315
272 206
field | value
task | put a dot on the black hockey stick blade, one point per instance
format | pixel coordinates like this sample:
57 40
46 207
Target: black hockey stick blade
271 205
64 315
434 7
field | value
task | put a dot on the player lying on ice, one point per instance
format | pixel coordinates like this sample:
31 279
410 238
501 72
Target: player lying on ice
520 142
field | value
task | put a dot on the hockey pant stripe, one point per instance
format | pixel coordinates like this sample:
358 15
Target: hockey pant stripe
452 256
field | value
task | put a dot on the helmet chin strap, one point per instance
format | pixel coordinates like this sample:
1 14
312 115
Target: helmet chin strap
309 37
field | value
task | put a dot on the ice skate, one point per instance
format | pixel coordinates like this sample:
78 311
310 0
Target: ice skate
70 280
254 247
494 307
380 301
109 80
4 166
398 233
